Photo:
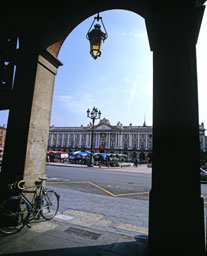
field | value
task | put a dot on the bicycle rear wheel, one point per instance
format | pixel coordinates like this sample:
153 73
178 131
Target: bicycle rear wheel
14 215
49 204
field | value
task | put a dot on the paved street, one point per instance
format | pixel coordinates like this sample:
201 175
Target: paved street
119 196
132 182
114 199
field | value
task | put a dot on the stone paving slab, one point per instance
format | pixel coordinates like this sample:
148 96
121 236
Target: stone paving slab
55 238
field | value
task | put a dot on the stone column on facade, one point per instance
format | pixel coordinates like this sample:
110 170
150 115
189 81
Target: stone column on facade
174 214
56 140
29 117
204 144
146 141
130 140
106 141
138 141
116 141
121 140
109 141
80 140
51 139
87 139
98 140
68 141
63 139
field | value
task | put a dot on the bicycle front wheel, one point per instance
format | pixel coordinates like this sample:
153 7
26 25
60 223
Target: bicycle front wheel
49 204
14 215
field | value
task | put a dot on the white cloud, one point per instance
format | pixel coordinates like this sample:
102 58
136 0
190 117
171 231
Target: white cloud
76 104
137 88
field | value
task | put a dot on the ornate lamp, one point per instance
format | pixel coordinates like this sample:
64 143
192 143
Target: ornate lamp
93 115
96 37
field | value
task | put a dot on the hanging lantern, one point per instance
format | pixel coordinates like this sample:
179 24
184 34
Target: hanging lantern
96 37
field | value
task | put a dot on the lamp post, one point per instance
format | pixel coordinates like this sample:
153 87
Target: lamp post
96 37
93 115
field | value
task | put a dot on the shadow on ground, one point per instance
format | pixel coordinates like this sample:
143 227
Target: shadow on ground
138 248
122 249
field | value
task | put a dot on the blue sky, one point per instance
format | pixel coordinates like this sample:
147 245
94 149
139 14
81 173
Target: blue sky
119 83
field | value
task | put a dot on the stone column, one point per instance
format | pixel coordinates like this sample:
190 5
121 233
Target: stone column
204 144
68 141
138 141
80 140
87 140
130 140
121 140
63 137
109 140
176 223
29 117
98 142
51 140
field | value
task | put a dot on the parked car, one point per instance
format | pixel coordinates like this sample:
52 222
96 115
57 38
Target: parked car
203 175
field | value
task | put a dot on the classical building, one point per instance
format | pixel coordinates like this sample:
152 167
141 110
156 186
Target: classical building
135 141
2 135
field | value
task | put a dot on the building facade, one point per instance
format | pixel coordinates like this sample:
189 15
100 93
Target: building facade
2 135
135 141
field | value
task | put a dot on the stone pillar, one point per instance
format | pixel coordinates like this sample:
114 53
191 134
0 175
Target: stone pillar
204 143
138 141
109 140
29 117
61 139
68 141
121 141
176 222
96 144
146 141
80 140
130 140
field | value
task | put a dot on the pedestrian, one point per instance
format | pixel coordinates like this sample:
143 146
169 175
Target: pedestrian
99 163
107 161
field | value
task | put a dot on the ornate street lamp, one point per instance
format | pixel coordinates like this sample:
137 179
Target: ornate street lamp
96 37
93 115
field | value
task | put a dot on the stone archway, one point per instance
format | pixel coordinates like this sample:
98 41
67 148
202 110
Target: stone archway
173 32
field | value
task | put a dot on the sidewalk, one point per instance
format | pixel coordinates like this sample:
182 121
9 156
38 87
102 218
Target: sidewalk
54 238
86 224
140 169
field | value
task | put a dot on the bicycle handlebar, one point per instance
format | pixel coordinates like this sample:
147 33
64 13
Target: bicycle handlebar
20 184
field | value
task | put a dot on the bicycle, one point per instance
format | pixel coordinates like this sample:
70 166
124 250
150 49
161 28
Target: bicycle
17 211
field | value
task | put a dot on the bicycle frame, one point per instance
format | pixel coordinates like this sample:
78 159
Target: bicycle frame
38 205
32 204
